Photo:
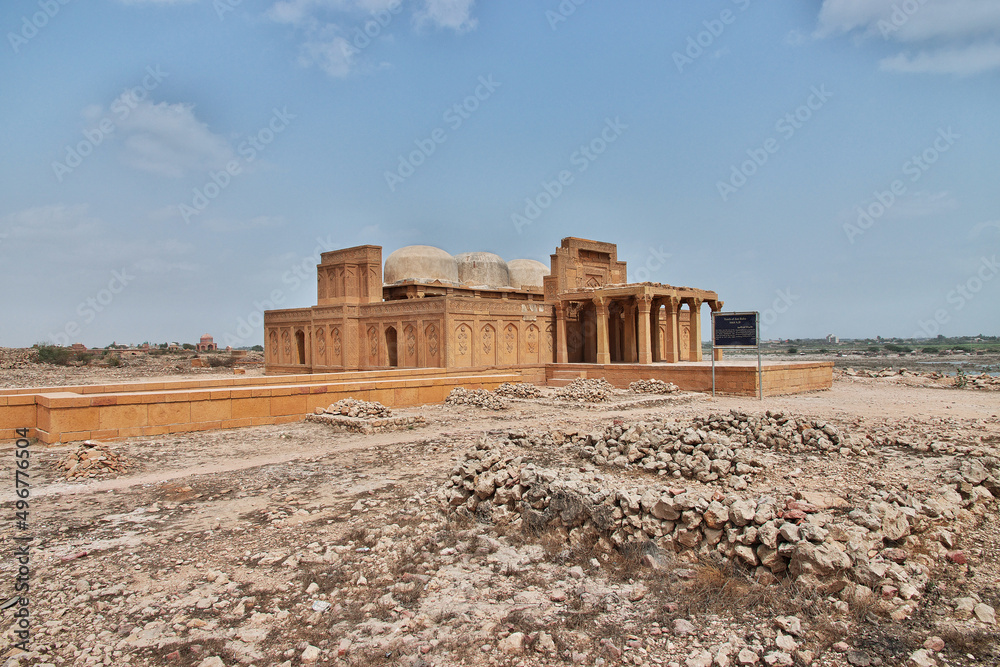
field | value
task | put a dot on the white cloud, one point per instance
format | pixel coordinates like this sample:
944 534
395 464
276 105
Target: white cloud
333 34
966 61
329 51
960 37
168 139
453 14
50 222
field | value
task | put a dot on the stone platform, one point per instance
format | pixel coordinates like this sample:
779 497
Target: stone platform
734 377
65 414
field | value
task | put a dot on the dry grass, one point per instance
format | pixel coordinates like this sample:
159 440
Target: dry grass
979 643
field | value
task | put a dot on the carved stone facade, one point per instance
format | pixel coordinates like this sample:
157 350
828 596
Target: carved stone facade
585 312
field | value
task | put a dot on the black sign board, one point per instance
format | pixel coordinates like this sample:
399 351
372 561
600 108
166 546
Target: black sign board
734 329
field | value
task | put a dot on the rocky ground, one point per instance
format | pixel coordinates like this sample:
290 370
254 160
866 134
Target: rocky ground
854 526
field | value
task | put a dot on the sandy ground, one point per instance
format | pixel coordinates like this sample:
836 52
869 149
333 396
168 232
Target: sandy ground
296 544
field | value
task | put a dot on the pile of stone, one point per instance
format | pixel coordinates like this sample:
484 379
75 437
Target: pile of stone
653 387
92 459
350 407
720 446
586 390
878 555
982 381
518 390
14 357
480 398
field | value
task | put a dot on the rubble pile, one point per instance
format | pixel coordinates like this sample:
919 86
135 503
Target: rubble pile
367 417
961 381
14 357
876 551
981 381
586 390
351 407
653 387
890 372
715 447
92 459
480 398
518 390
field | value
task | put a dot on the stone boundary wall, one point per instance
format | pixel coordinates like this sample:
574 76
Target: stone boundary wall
731 378
63 416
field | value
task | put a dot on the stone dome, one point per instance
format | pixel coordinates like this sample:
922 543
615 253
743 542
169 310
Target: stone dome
420 262
482 268
526 273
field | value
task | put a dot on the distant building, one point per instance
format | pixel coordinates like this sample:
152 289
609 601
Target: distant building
207 344
428 309
833 339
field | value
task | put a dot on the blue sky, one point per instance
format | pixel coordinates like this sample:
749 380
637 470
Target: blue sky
174 167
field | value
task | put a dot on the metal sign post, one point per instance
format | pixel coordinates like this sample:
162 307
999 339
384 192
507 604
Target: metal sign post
732 331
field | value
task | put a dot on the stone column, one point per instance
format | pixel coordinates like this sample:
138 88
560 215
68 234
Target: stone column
672 339
695 354
603 351
562 349
629 351
645 342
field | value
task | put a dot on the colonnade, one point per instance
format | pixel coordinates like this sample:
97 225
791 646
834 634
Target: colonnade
628 328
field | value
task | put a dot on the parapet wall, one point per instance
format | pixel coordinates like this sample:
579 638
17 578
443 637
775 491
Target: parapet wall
65 414
735 378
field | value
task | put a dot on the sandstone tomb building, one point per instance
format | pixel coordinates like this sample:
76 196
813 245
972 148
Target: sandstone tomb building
428 309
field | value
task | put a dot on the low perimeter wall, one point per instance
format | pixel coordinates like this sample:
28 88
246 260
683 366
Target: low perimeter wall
732 377
64 414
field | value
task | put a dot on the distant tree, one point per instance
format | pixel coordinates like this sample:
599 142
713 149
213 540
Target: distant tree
257 348
187 346
793 350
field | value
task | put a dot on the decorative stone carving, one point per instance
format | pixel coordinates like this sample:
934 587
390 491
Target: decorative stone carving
373 344
532 340
489 336
321 345
432 340
410 335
